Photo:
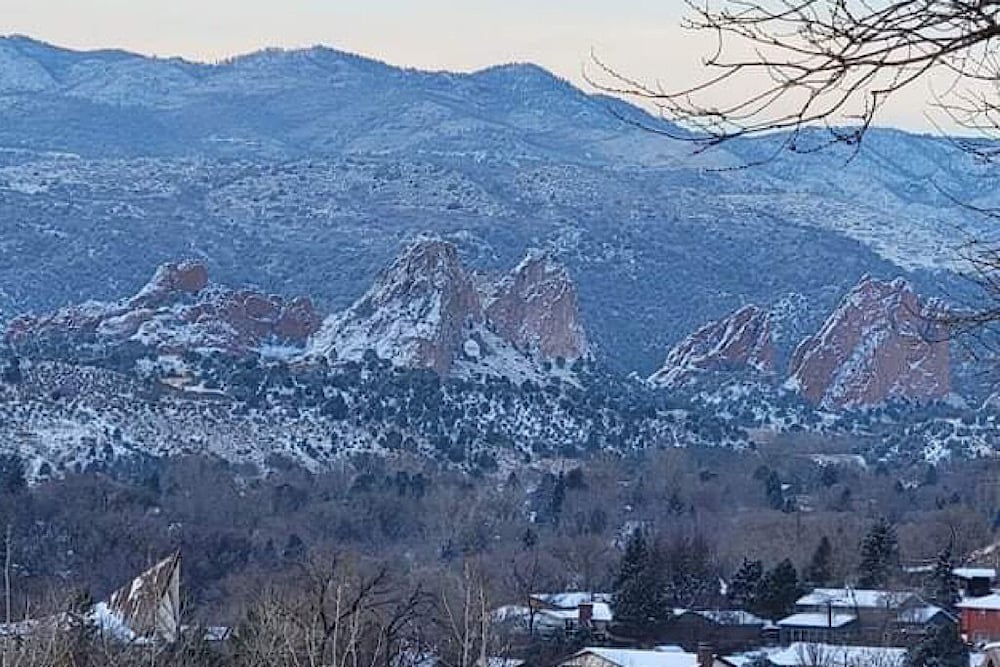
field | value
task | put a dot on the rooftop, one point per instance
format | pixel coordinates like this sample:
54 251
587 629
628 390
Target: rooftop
637 658
570 599
817 619
853 598
921 614
602 612
975 572
987 602
727 616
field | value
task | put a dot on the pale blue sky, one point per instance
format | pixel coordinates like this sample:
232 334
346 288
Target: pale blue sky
453 34
640 37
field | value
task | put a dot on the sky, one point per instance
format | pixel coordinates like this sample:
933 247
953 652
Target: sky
642 38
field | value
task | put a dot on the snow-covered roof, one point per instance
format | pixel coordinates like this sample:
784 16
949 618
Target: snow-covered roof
728 616
921 614
149 605
817 619
801 653
509 612
602 612
987 602
499 661
975 572
638 658
853 597
570 599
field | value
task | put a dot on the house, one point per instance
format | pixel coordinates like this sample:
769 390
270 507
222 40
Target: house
849 615
571 612
587 617
817 626
913 623
980 618
620 657
801 654
726 629
975 581
566 600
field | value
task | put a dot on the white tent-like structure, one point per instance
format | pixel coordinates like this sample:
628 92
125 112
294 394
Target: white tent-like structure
145 610
148 607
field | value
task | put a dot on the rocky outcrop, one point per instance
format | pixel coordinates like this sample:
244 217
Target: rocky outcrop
177 310
426 311
535 308
740 342
418 313
882 342
170 281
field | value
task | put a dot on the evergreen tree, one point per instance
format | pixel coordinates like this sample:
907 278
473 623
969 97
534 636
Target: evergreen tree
12 476
744 587
941 647
820 569
779 589
879 555
529 539
638 600
773 491
691 576
942 588
557 498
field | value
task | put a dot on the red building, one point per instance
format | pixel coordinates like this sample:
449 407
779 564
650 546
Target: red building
981 618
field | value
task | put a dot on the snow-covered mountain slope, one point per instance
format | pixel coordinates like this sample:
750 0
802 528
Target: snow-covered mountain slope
316 101
62 417
305 172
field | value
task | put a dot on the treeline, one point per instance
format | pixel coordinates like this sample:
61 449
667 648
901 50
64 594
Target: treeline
345 609
568 525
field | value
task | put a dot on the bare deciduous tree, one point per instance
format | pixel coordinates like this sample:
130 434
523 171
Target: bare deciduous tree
833 63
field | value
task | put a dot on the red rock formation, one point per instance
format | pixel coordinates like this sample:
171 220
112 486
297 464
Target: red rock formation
424 311
298 320
535 309
169 281
176 311
741 341
881 342
417 314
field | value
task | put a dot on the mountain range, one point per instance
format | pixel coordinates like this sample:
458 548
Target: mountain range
500 226
306 172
